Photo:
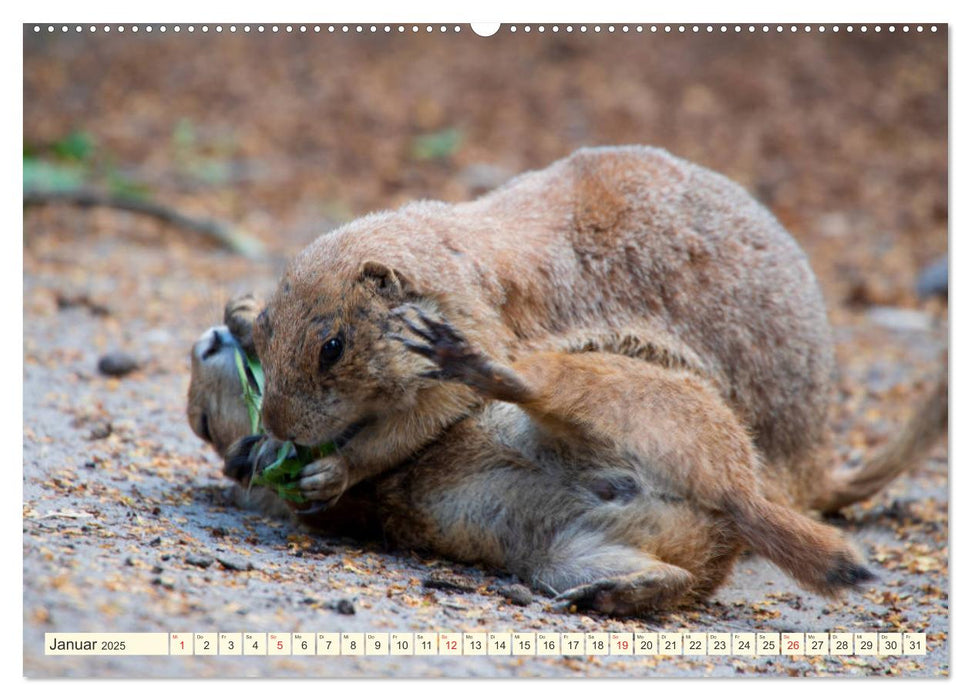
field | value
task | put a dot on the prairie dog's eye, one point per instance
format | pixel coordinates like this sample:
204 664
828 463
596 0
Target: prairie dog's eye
331 351
204 428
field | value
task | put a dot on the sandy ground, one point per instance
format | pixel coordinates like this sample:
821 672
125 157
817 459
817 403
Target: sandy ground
843 137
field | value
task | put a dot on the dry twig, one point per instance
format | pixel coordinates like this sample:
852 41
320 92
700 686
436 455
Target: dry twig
224 234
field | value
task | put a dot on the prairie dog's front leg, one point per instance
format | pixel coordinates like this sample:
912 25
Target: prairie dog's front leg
457 360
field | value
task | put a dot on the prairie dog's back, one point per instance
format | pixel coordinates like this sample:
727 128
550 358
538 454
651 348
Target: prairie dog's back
629 241
627 238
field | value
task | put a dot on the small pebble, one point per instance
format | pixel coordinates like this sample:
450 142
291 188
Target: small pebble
319 549
933 279
100 430
71 301
234 564
441 584
343 606
117 364
517 594
200 560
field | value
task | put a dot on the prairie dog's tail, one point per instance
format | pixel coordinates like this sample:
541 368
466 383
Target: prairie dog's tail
929 422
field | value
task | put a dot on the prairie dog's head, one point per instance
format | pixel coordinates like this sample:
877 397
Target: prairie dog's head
331 366
216 410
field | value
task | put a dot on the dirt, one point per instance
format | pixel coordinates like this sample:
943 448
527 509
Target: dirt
127 522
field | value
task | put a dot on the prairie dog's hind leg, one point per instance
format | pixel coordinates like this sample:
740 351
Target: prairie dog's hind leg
615 579
678 427
655 588
671 422
555 533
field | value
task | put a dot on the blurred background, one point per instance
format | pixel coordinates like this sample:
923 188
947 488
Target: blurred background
204 146
843 136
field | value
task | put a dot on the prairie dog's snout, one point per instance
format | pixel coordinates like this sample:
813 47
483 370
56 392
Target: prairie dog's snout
214 341
216 411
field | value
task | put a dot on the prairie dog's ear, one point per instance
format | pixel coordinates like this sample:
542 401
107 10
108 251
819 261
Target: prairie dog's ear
239 316
385 280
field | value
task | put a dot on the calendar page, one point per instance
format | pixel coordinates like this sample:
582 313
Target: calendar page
433 350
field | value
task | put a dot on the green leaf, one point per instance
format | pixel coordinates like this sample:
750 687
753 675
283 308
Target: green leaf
257 369
251 397
51 177
282 474
78 146
437 145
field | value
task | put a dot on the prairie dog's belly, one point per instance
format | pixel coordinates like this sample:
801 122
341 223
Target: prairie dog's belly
501 493
498 471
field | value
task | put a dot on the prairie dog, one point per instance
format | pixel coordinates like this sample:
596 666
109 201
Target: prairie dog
607 377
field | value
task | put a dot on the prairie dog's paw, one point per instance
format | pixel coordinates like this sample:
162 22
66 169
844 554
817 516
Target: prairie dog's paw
847 572
455 359
653 590
322 483
318 484
816 555
239 316
249 456
440 342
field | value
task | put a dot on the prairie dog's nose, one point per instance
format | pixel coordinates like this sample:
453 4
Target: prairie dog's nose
213 341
